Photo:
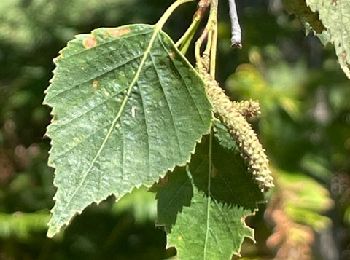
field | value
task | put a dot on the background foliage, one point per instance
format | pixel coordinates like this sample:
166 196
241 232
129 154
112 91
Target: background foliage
305 127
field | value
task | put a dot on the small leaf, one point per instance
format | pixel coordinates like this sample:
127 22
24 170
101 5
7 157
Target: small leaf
209 229
229 178
127 107
209 212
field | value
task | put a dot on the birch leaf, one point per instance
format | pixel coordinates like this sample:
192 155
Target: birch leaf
127 107
335 17
204 213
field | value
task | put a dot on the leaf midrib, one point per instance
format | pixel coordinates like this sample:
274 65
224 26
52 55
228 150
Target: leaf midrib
124 102
79 84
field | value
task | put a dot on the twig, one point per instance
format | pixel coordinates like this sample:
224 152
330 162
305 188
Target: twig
208 59
214 41
236 37
184 42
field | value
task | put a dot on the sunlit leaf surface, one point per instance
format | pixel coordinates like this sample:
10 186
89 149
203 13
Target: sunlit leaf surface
127 107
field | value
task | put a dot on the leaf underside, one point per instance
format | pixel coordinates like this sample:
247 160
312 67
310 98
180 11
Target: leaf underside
127 107
206 220
335 16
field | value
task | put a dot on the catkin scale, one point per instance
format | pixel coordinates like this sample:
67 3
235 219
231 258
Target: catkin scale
247 108
232 115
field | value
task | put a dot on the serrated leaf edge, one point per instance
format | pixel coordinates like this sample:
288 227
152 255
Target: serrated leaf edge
237 253
157 29
342 59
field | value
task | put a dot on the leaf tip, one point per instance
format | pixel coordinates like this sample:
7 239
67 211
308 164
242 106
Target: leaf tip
52 231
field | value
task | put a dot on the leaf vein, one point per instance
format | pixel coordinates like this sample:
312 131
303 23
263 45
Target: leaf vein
133 82
147 131
182 79
168 106
80 84
59 126
76 145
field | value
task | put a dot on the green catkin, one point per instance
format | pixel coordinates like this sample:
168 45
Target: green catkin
232 114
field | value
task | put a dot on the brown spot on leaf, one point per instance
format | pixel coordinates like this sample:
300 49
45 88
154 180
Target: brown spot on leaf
90 42
117 32
95 84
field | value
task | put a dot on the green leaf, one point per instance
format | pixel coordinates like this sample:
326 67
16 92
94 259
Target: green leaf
173 193
335 16
127 107
209 229
203 215
223 136
229 177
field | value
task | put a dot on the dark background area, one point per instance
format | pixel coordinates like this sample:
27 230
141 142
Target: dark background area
305 127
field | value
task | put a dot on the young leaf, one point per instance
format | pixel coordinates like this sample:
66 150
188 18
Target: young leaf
209 229
208 212
127 107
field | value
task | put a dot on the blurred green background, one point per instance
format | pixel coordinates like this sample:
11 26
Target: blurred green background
305 127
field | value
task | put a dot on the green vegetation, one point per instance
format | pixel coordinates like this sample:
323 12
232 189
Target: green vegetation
303 124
